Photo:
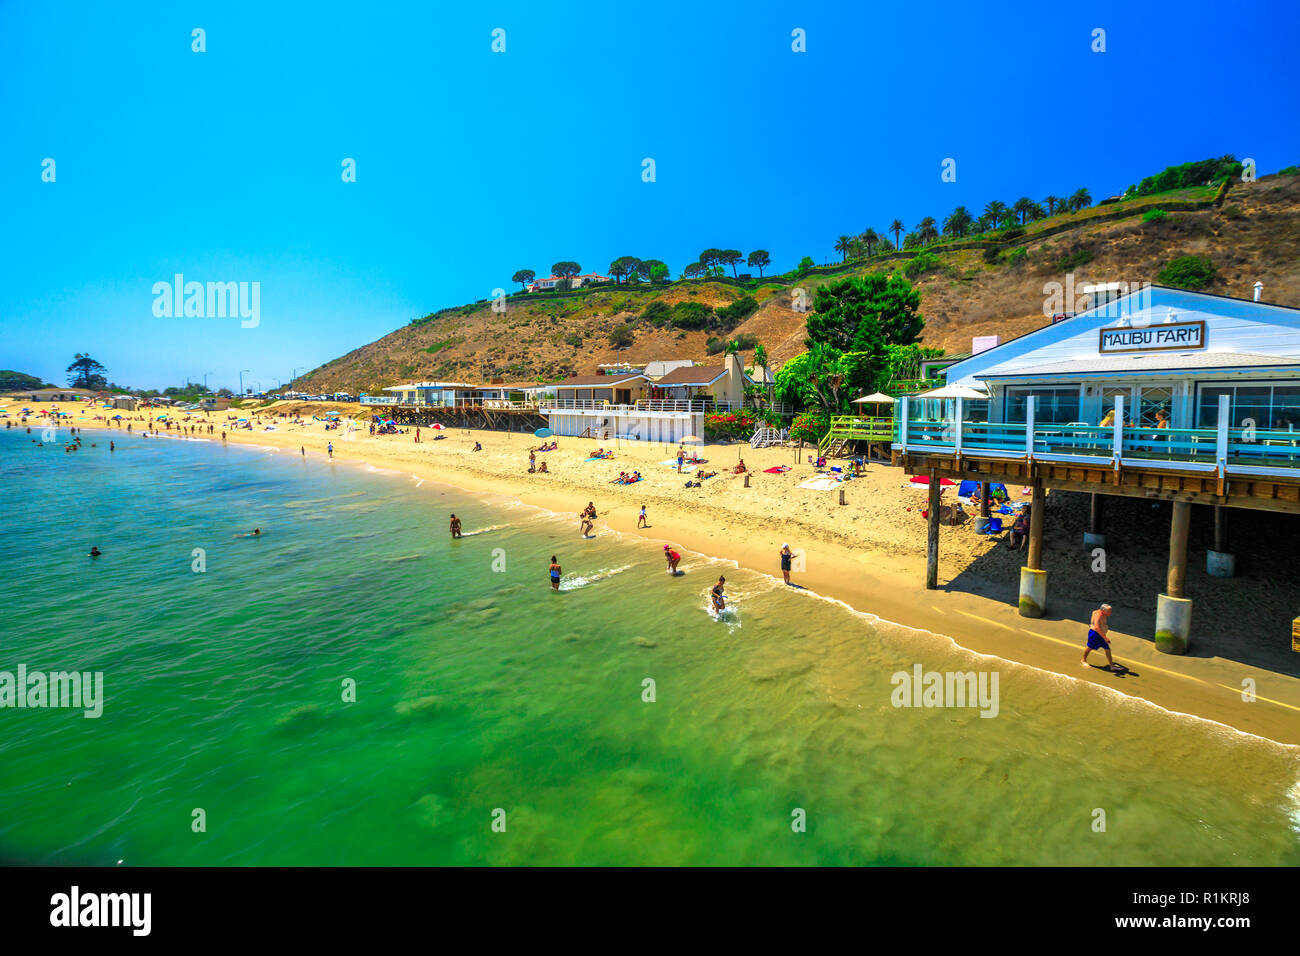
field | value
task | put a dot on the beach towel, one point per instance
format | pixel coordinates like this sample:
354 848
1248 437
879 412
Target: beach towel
778 470
819 483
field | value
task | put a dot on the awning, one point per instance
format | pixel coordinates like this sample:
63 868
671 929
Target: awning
1190 362
955 391
876 397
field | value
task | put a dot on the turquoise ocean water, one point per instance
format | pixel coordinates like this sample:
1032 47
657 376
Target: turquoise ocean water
478 690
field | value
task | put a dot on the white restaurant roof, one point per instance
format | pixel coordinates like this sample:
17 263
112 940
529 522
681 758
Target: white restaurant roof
1169 361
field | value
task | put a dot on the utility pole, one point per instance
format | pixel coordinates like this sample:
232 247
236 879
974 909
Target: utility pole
241 380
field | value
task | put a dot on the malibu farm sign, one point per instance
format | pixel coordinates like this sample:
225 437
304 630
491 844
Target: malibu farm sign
1171 335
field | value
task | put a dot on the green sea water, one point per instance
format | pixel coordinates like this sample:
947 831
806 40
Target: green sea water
482 697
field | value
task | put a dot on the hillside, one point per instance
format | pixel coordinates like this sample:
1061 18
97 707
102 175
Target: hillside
1253 233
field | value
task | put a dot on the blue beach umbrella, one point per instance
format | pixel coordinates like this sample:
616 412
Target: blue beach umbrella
543 433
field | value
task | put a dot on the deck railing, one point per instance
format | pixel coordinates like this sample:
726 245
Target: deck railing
858 428
1223 449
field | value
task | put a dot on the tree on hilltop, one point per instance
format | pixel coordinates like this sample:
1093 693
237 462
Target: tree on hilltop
896 227
85 372
523 277
759 259
732 257
565 269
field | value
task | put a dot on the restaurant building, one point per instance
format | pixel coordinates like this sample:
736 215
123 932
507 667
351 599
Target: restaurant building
1158 393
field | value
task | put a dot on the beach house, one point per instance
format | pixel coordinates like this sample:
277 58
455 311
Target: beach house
575 282
1156 393
635 406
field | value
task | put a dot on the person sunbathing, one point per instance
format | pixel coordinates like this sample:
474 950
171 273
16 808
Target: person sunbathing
740 469
542 469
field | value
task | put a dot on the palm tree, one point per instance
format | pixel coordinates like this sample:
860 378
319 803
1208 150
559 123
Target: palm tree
927 231
842 245
1021 208
896 227
957 224
1081 199
869 240
997 212
1036 210
1052 203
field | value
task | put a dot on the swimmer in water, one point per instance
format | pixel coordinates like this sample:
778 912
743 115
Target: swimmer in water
95 552
719 599
555 573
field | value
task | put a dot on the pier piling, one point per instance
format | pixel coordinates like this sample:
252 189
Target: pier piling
1174 609
1033 579
932 535
1219 563
1093 537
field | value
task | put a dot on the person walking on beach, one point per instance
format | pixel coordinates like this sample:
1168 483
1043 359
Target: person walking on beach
786 556
329 447
588 517
719 599
1097 640
681 455
532 462
672 557
641 520
455 527
417 435
556 570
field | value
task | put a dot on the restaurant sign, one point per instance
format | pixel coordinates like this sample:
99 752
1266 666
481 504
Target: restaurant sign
1171 335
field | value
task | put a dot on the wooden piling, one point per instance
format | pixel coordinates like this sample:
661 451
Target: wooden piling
932 535
1036 508
1220 528
1094 513
1178 525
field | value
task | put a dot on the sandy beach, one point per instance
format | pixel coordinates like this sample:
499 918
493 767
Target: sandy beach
868 552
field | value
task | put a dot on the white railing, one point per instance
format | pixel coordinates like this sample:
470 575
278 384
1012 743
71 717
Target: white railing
642 405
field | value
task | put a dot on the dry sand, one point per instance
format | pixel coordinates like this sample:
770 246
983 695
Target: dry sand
869 552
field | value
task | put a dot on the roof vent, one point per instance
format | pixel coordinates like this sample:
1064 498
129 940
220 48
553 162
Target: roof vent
1259 288
1171 317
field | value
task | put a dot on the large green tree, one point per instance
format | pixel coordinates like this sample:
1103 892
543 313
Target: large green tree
732 257
862 313
85 372
523 277
760 259
565 269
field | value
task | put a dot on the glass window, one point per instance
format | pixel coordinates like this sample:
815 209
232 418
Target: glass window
1151 401
1270 407
1054 406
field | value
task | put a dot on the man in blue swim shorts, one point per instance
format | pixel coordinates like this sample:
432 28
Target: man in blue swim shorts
1097 640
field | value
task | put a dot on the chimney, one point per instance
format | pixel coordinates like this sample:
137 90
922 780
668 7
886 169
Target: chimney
1259 288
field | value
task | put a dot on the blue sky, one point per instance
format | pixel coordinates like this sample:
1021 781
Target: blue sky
225 165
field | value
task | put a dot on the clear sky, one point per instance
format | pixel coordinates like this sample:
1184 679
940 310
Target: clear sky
226 165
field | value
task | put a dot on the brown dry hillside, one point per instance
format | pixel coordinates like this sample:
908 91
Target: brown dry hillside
1254 233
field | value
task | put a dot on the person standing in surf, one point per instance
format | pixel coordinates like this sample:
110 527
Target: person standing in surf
672 557
719 599
329 447
786 556
556 570
588 517
455 527
641 519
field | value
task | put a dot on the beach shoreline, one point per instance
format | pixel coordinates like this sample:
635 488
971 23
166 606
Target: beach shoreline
881 579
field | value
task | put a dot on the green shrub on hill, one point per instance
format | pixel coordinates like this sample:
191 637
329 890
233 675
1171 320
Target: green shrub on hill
919 265
657 312
691 315
1188 272
1186 175
735 313
1154 215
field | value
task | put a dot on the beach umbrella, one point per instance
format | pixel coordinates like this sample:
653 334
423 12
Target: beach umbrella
692 440
877 398
923 481
540 433
955 391
438 425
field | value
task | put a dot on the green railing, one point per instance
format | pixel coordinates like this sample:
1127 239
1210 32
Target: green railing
858 428
1253 450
